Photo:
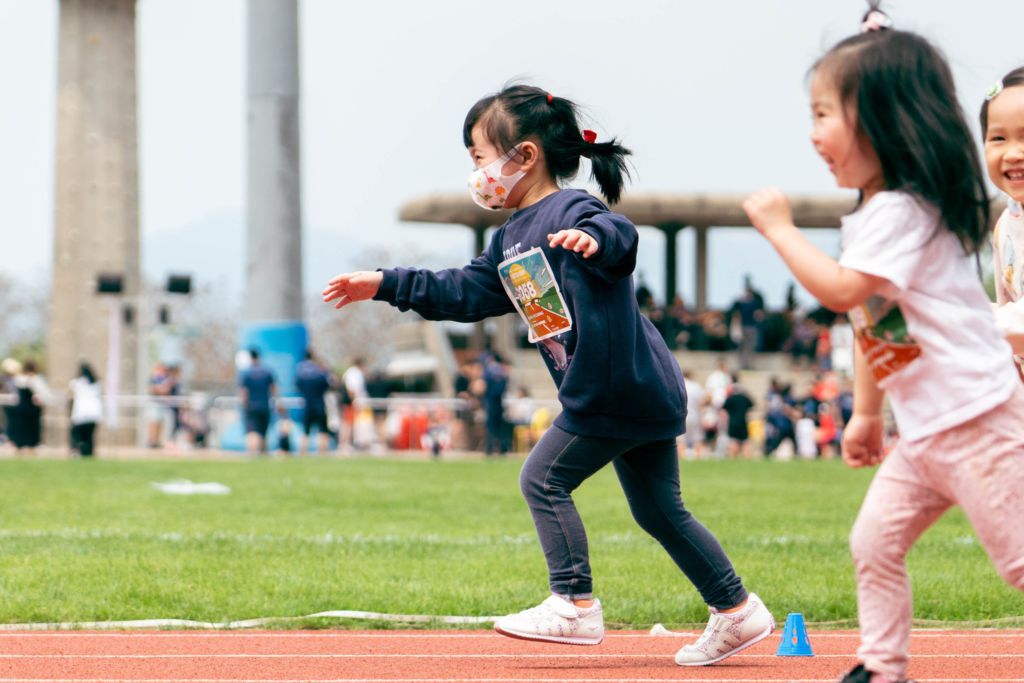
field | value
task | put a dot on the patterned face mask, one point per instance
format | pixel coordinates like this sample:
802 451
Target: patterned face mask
488 187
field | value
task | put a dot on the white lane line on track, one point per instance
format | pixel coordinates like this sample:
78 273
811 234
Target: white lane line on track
475 680
443 655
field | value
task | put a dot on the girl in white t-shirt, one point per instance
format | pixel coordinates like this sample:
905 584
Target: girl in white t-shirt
1002 129
887 123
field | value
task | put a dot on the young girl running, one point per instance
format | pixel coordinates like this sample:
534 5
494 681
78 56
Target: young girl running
1002 129
563 262
886 122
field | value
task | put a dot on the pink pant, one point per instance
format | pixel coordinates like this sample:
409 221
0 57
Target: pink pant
978 465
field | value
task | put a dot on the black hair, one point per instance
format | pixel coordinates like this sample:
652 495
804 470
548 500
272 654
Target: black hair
520 112
254 353
1014 78
902 90
85 370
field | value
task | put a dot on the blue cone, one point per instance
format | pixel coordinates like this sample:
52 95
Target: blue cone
795 642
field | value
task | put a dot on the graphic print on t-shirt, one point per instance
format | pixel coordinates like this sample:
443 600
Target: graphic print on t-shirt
883 337
531 285
1009 240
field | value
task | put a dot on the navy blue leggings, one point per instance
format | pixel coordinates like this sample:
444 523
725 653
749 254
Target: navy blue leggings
649 474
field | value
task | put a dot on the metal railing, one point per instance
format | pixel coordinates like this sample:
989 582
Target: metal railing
127 417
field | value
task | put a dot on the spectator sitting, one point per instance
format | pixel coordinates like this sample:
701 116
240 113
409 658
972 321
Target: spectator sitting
827 431
716 332
687 329
778 416
802 341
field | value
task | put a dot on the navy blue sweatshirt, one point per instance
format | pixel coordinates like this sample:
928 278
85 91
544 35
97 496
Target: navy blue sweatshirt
615 375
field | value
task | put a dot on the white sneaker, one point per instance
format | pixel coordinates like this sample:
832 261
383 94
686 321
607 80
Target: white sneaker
556 620
727 634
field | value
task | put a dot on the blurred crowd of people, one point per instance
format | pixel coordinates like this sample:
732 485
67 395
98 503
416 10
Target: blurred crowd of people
805 422
25 394
493 414
341 411
812 338
497 419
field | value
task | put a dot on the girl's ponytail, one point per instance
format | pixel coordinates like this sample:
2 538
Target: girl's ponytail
608 166
520 112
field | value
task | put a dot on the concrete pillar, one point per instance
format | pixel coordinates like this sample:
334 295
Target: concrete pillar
273 265
701 271
274 236
671 231
96 224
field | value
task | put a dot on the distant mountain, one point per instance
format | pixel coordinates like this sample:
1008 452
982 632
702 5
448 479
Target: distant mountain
211 250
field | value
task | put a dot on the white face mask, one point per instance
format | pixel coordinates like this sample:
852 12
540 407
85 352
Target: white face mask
488 187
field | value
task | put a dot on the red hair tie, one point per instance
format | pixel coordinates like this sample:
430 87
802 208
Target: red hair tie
550 97
590 136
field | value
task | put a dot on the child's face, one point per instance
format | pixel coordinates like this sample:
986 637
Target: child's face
484 152
1004 142
844 148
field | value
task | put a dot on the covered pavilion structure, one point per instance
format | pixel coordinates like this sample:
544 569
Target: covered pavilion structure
669 213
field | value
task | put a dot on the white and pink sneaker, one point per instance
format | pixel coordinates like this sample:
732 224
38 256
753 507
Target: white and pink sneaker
556 620
727 634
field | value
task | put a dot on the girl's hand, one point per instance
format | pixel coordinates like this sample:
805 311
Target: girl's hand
574 240
862 440
768 210
350 287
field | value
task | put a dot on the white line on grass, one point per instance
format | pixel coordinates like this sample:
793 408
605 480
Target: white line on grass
76 633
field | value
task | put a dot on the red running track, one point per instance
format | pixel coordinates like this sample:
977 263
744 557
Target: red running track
466 657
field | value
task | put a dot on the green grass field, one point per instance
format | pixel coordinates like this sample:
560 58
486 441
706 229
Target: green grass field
94 541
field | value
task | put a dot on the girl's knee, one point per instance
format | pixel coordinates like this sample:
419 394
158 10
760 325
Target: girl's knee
867 545
656 521
1013 572
530 480
648 520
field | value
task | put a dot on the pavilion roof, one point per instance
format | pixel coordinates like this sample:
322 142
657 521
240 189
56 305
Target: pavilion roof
652 209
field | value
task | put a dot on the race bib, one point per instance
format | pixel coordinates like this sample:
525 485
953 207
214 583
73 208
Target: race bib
532 287
883 337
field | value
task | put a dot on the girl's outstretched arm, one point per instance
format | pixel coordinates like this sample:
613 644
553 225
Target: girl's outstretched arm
466 294
351 287
836 287
605 242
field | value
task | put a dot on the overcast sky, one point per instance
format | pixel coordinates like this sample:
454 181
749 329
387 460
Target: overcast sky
711 96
